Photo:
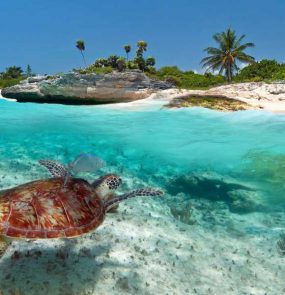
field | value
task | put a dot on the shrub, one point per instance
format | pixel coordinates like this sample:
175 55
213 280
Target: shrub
121 64
187 79
150 61
101 62
140 62
112 61
10 82
131 65
96 70
262 70
12 76
12 73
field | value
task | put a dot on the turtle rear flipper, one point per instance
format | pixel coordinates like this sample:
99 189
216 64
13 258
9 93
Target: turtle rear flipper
143 192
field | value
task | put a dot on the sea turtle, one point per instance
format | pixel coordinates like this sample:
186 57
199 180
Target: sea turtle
56 208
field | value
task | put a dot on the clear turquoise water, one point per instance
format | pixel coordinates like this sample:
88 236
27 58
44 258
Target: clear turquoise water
199 157
152 144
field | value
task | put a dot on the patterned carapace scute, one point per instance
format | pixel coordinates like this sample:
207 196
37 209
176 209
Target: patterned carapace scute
55 168
47 209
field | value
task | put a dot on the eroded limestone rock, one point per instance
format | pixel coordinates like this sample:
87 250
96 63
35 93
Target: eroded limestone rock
75 88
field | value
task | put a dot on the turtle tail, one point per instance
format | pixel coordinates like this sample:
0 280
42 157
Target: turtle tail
143 192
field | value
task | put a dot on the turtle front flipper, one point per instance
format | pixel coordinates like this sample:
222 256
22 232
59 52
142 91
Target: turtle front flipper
4 244
144 192
55 168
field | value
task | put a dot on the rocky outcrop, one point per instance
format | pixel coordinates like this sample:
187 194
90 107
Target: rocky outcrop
257 95
239 197
75 88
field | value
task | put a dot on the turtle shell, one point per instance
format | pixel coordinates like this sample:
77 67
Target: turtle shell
49 209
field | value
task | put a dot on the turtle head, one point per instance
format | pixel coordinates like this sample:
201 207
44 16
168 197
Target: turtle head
106 185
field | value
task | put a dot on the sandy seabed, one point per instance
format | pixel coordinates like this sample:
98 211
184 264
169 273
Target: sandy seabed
143 249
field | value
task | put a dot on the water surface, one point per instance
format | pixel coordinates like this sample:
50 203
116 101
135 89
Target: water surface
248 146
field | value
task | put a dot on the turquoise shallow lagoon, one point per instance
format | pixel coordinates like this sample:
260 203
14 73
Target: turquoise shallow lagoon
248 146
223 174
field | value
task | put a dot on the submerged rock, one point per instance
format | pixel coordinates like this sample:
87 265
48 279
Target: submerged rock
219 103
75 88
239 198
244 201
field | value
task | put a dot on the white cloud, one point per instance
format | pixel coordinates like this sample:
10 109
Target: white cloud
243 65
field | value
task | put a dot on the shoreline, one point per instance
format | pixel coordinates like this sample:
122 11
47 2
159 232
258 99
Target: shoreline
162 98
253 95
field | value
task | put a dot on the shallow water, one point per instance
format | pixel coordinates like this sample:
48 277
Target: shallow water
243 145
193 154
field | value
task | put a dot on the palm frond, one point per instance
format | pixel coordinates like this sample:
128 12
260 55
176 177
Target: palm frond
229 51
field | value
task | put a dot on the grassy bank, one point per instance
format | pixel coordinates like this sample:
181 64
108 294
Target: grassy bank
9 82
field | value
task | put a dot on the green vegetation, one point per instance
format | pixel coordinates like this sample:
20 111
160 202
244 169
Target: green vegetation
264 70
81 47
12 73
12 76
9 82
96 70
29 72
186 79
223 59
128 50
120 63
230 51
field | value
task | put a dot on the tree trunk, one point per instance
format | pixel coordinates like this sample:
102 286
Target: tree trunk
83 58
229 73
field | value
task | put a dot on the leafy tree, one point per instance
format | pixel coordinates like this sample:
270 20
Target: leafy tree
132 65
12 73
121 64
264 69
112 61
29 72
150 61
141 48
140 62
81 46
101 62
230 50
186 79
128 50
139 59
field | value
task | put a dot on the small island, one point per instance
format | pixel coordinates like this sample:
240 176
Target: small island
118 79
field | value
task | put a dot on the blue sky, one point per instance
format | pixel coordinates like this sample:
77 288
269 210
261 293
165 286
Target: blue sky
43 33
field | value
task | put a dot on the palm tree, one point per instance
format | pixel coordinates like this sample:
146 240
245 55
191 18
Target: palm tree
128 50
81 46
142 46
230 51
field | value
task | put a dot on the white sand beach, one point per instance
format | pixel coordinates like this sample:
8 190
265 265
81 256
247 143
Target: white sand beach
267 97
